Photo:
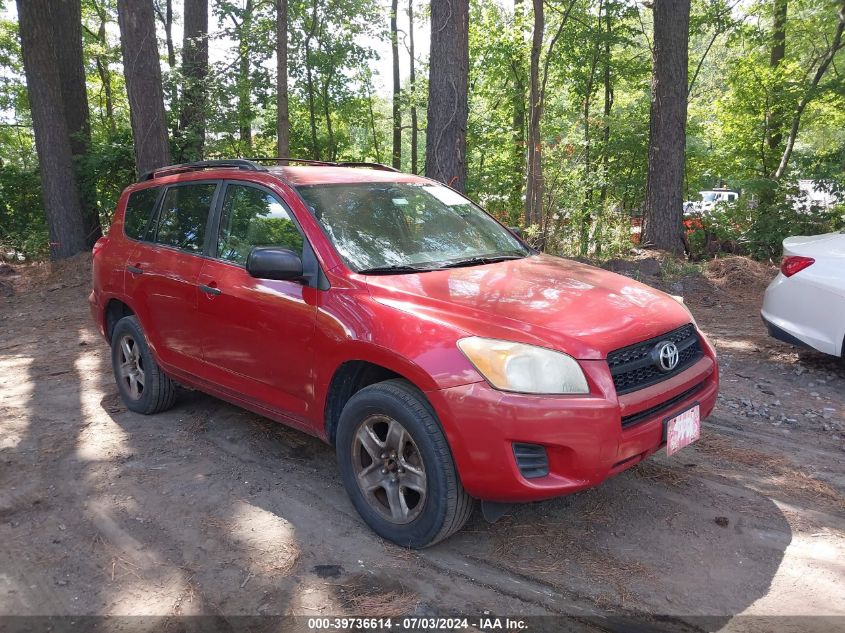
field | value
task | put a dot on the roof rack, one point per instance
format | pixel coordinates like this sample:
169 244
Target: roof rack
250 164
322 163
378 166
286 160
233 163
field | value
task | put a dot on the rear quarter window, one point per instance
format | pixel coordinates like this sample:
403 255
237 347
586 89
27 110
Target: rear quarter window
184 214
139 208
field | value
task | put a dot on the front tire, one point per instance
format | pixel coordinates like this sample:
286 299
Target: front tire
142 385
397 468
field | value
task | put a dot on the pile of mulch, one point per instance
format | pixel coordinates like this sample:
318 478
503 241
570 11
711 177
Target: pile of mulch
71 271
46 275
637 267
6 287
740 273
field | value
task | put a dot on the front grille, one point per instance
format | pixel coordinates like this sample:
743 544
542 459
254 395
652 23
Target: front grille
639 416
634 367
531 459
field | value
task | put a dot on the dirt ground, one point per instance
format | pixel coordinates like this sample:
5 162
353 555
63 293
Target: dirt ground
208 509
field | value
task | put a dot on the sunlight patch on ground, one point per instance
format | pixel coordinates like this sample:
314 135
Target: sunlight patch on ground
103 438
810 577
268 539
314 598
736 345
14 388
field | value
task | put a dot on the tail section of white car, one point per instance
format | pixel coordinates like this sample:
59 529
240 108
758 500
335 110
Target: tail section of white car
805 304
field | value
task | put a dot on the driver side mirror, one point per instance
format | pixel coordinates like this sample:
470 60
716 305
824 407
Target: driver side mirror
270 262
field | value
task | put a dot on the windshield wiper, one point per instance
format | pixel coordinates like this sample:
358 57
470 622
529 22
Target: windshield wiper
477 261
394 269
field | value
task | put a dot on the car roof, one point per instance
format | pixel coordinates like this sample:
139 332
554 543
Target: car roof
299 175
292 175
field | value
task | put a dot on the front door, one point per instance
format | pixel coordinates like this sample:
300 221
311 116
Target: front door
257 334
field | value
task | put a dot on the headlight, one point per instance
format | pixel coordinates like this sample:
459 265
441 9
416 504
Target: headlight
524 368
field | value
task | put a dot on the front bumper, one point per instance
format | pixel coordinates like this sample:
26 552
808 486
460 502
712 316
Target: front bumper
583 436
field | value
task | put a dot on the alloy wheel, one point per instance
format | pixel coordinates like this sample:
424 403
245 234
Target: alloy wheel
131 369
389 469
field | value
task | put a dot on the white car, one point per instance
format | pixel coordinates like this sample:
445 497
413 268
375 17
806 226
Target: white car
805 304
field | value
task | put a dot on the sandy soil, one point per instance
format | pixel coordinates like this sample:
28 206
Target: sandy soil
210 509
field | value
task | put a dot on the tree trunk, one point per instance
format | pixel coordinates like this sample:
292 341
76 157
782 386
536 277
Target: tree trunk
244 84
376 147
67 43
608 105
774 118
282 110
535 187
412 85
518 120
104 73
194 71
143 83
165 15
779 33
52 138
309 81
332 145
663 217
534 182
396 159
446 138
587 216
103 69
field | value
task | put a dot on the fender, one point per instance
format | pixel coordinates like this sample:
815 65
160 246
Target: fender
101 318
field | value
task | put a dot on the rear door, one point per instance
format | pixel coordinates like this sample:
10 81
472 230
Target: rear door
257 334
162 273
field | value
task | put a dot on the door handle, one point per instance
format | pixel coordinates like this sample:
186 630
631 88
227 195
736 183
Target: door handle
135 270
209 290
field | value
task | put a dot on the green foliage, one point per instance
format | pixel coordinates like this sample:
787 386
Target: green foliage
23 230
594 163
758 228
110 165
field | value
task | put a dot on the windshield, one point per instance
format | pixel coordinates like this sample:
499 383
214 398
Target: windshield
415 225
708 196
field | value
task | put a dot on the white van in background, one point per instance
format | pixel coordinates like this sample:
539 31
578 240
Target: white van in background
811 196
709 199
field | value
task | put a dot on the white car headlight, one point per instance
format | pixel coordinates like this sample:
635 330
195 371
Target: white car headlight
524 368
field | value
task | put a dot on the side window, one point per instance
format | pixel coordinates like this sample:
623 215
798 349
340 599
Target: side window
183 216
139 207
252 217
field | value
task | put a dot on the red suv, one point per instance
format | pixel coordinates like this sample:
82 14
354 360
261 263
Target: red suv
390 316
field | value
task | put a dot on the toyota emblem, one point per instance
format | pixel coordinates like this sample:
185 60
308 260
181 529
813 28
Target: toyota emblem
667 355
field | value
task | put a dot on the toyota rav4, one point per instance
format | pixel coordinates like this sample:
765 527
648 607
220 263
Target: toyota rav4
390 316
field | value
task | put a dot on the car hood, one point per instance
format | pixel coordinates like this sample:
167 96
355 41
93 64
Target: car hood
542 300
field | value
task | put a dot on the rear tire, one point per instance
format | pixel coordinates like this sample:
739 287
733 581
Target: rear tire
142 385
397 468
